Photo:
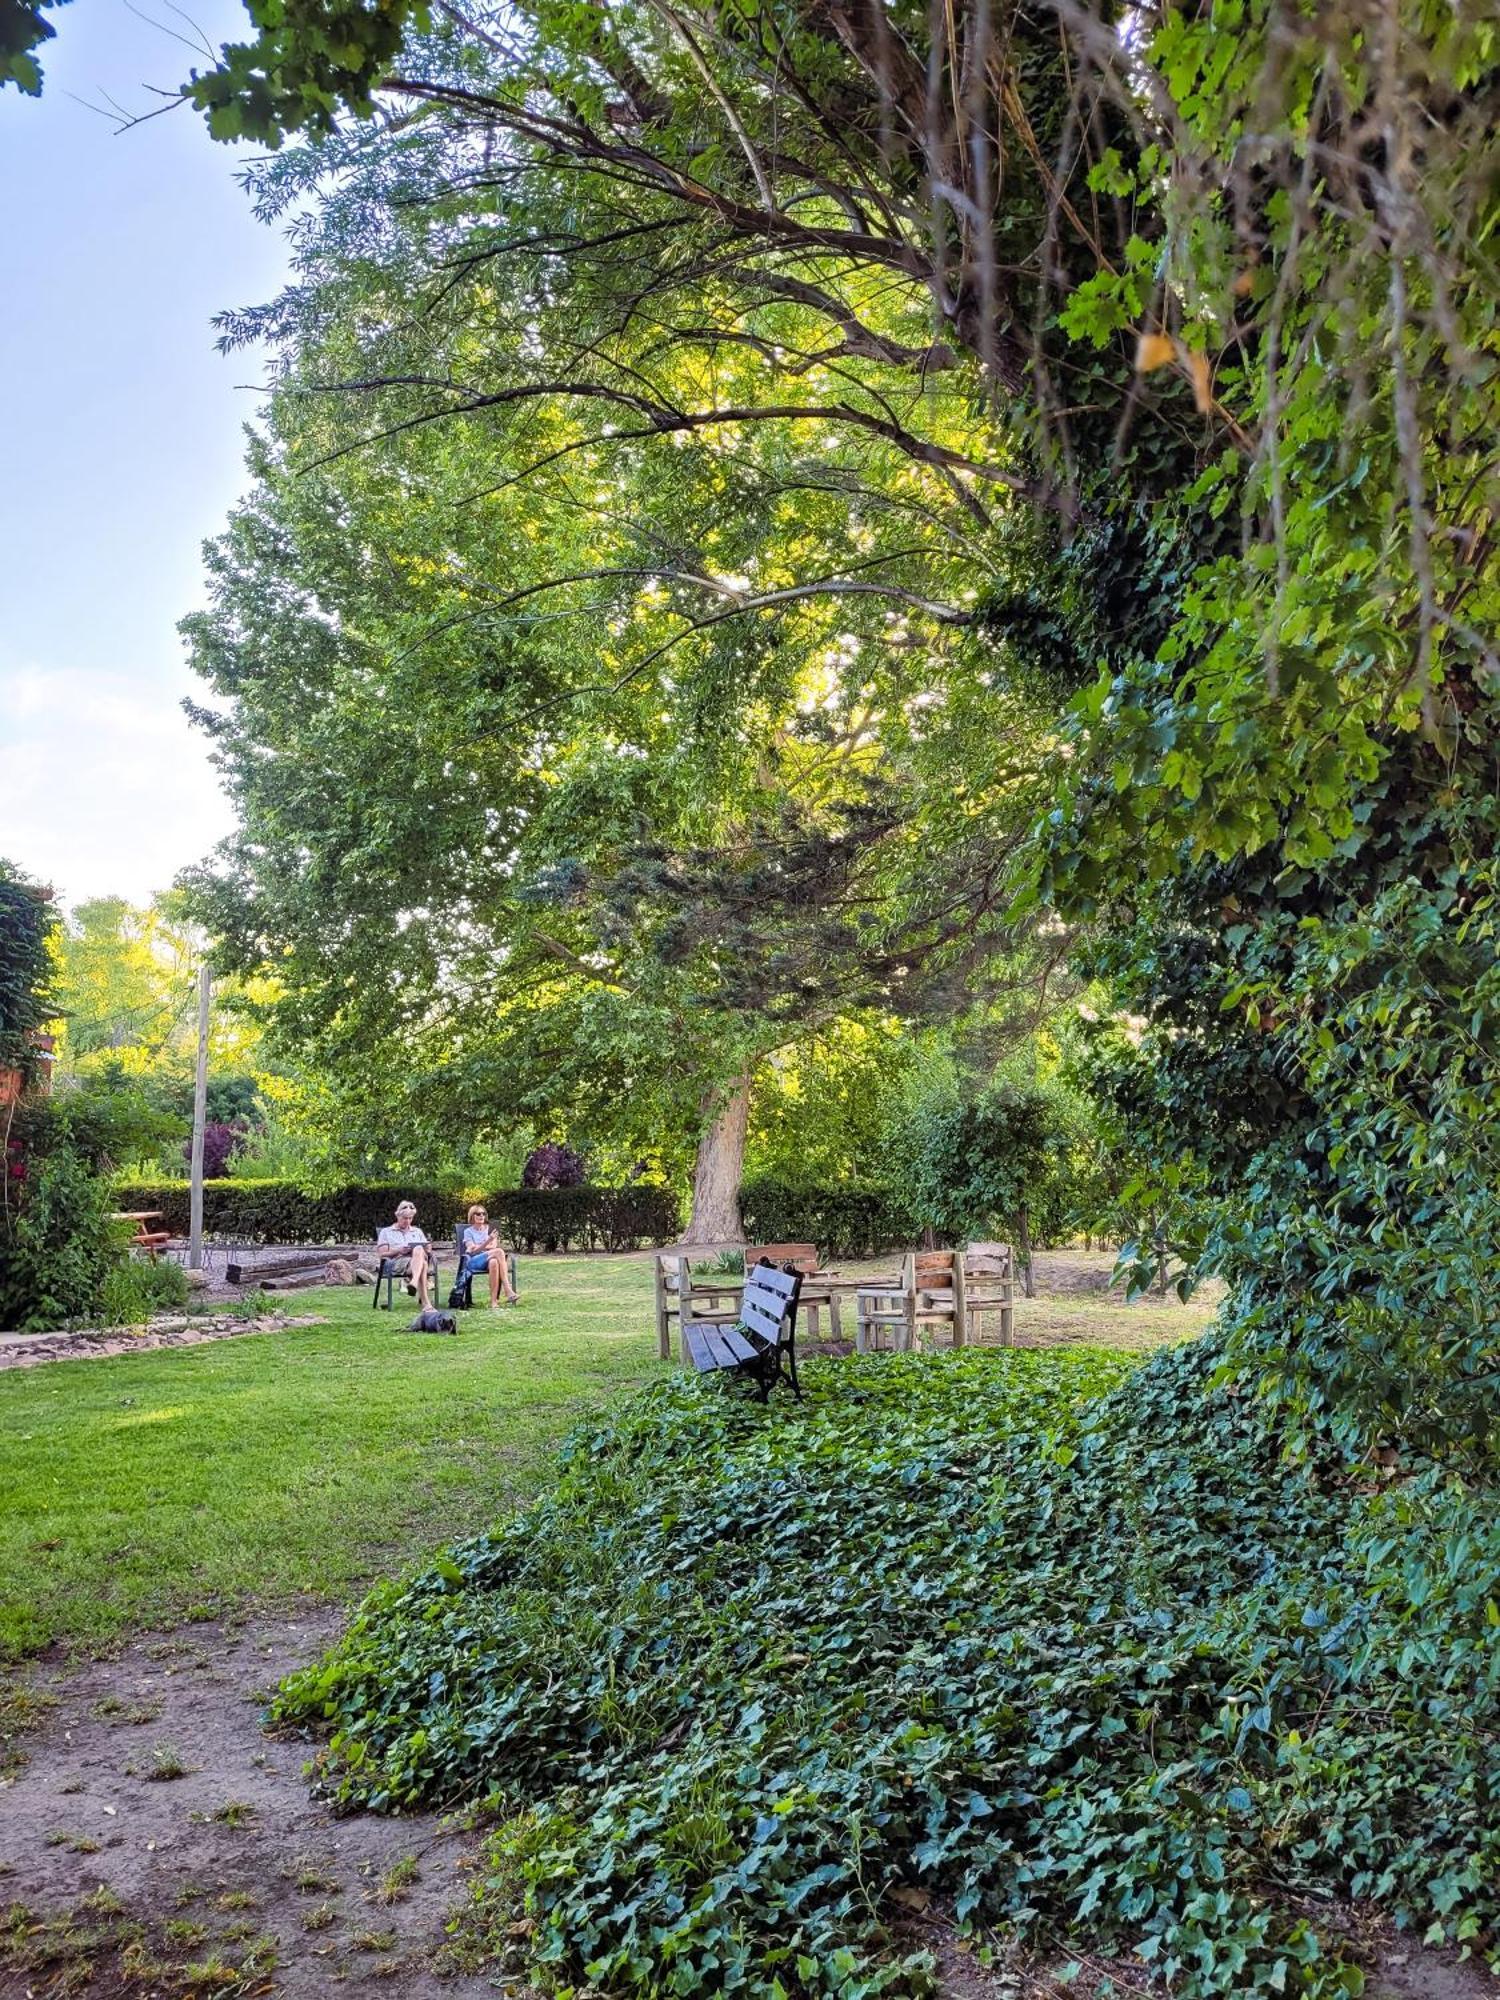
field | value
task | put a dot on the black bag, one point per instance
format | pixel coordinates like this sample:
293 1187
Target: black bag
458 1297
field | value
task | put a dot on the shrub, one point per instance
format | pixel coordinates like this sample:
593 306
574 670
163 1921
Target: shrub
750 1681
843 1221
221 1142
586 1218
135 1289
242 1211
59 1243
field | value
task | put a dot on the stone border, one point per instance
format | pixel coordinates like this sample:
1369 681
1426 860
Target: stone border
98 1343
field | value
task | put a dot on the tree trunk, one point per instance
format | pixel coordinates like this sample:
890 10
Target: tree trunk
1023 1248
717 1170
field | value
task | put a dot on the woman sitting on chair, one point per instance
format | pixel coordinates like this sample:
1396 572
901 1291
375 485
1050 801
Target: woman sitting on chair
483 1252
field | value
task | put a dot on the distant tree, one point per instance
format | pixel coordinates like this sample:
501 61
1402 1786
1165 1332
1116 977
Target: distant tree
982 1164
221 1141
554 1166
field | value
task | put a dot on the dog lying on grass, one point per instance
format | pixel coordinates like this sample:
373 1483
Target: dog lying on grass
433 1322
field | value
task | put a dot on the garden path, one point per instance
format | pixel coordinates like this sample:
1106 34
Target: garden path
230 1854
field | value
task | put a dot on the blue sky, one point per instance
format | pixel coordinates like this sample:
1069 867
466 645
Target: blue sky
121 444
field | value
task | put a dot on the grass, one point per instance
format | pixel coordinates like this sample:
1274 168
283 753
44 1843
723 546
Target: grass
165 1764
397 1880
137 1490
195 1482
97 1948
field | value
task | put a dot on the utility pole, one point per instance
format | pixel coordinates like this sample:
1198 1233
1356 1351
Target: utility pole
200 1118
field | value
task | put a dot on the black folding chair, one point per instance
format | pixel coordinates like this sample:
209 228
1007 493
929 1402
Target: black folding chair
386 1274
461 1296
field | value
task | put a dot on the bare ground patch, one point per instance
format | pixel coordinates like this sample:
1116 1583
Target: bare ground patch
154 1841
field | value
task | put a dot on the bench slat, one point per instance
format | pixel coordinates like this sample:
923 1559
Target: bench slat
769 1325
699 1351
765 1277
770 1298
706 1346
718 1347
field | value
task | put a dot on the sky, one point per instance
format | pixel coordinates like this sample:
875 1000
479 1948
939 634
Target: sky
121 448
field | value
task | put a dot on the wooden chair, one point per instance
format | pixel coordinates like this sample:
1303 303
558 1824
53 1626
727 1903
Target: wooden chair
679 1297
990 1286
931 1292
761 1336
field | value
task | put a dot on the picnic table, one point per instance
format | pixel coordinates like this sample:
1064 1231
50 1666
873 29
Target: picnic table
820 1289
149 1240
956 1289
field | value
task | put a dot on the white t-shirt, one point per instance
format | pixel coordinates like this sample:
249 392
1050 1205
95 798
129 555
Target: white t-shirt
392 1238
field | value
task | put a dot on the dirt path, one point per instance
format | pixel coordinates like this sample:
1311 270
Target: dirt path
229 1878
231 1861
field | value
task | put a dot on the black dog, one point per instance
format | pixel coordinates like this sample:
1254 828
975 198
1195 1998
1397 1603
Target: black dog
433 1322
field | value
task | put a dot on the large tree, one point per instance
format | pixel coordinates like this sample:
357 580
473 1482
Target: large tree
1185 316
574 802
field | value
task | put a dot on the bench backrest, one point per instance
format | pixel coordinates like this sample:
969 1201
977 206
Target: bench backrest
769 1302
802 1256
673 1270
933 1270
988 1260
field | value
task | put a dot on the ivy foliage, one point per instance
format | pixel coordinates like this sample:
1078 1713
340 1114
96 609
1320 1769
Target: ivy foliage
27 925
1315 1086
1066 1647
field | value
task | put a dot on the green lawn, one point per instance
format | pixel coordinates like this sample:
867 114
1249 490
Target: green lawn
186 1482
142 1490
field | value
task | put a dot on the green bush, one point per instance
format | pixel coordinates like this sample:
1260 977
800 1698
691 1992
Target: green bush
139 1287
1068 1657
842 1221
241 1211
57 1244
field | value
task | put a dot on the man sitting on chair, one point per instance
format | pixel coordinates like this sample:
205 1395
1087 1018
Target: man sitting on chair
405 1248
483 1252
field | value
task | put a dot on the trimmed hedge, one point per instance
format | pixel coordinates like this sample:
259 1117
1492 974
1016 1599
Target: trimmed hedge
842 1221
586 1218
582 1218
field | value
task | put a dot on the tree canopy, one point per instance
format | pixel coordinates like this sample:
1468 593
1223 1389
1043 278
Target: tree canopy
791 496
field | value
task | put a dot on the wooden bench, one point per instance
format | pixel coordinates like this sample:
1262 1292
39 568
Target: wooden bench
990 1286
937 1289
690 1300
755 1344
929 1292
